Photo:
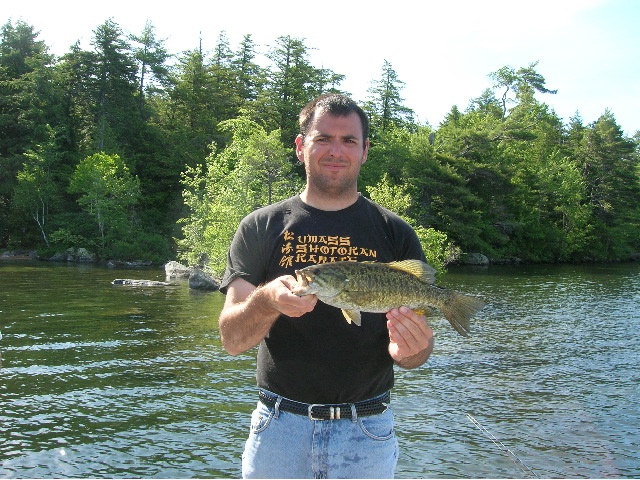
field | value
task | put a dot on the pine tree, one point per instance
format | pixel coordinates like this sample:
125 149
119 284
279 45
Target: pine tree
151 56
385 104
29 106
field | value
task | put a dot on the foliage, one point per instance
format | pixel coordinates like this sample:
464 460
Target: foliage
29 103
522 82
208 137
252 172
385 105
438 249
294 82
36 189
108 192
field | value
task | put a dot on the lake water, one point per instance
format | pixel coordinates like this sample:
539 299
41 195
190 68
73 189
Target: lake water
106 381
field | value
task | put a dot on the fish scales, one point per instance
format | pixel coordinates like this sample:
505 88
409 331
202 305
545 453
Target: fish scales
375 288
358 287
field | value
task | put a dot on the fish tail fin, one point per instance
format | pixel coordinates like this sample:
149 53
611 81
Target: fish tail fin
459 309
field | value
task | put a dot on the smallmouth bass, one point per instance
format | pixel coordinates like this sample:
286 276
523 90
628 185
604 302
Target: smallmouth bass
358 287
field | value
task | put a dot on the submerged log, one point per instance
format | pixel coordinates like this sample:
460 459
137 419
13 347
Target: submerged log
139 283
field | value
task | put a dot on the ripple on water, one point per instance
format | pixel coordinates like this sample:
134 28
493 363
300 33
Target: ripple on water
135 384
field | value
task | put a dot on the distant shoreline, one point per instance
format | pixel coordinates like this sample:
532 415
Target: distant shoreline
18 255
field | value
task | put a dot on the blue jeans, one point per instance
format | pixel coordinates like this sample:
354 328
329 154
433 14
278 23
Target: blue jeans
287 445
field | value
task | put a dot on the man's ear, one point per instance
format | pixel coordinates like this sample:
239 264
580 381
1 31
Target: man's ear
366 152
299 141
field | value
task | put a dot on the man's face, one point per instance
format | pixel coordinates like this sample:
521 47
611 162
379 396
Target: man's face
333 152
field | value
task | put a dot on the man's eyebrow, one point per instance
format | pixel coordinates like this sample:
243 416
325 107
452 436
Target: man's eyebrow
343 137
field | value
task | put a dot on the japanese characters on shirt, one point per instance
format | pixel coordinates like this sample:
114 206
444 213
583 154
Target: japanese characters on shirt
314 249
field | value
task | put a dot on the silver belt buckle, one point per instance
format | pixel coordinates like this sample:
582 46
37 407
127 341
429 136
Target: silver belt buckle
310 411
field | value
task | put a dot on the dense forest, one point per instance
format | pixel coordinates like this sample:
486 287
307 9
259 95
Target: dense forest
137 153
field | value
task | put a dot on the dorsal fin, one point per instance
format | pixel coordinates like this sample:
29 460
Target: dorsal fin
425 273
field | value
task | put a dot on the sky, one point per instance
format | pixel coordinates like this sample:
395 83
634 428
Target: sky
443 51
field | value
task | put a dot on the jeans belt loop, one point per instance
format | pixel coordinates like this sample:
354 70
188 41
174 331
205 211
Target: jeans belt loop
276 408
354 413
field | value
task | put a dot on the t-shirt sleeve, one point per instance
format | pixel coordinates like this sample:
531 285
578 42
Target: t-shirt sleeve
243 257
406 243
412 246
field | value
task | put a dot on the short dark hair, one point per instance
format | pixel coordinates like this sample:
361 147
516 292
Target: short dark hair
335 104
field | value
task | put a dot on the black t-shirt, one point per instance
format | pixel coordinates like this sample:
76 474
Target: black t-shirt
319 357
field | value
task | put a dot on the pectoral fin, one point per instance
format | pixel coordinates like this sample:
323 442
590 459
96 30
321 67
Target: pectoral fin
352 316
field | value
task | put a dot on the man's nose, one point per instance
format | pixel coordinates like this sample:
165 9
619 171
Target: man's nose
335 148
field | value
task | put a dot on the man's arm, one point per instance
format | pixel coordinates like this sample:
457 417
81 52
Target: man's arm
410 338
249 311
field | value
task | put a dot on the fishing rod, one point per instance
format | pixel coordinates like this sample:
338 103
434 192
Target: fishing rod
502 447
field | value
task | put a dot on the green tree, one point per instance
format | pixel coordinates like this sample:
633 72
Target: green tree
107 192
76 71
188 113
385 104
117 116
253 171
486 104
251 76
225 93
29 103
534 157
518 82
102 93
471 205
294 81
36 189
609 167
151 56
438 250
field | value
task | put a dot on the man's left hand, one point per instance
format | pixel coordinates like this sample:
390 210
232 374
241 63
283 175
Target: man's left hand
410 337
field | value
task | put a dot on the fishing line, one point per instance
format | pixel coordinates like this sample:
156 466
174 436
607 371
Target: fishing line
502 447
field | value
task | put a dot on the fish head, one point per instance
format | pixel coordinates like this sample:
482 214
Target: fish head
305 283
316 280
303 278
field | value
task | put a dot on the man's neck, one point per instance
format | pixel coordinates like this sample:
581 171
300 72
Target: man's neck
329 203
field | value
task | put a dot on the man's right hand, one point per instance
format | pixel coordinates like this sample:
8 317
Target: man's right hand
286 301
250 311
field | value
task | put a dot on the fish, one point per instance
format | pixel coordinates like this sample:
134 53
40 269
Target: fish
378 287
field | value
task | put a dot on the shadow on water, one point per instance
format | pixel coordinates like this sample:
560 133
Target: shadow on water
112 381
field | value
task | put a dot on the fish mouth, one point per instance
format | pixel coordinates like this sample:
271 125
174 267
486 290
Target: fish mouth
302 278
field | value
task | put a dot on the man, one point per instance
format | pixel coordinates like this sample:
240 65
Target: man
324 384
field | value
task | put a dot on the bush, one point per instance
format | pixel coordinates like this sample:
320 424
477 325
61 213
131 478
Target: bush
140 246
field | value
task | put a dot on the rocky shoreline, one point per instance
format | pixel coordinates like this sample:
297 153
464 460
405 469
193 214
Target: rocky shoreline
82 255
196 276
19 255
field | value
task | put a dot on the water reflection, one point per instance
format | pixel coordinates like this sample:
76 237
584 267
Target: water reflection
111 381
